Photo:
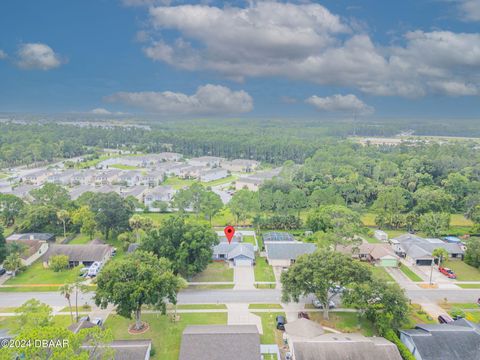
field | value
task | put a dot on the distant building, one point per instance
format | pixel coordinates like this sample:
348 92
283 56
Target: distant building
251 184
241 165
209 161
213 174
163 193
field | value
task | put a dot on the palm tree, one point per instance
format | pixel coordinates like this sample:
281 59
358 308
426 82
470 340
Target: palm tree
136 223
66 290
440 254
63 216
79 287
13 263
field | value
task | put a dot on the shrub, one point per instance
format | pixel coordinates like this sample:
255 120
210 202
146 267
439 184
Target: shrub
404 352
58 262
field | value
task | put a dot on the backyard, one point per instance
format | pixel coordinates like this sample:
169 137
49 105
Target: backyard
215 271
165 335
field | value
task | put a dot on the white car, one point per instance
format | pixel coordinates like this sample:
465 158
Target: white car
319 305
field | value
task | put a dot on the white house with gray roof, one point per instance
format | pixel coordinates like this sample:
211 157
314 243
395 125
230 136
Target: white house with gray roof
285 253
239 254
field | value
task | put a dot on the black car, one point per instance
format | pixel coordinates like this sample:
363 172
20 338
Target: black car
2 271
280 322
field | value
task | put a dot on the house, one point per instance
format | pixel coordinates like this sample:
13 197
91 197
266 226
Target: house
452 239
240 254
380 235
237 238
213 174
37 177
34 249
342 347
163 193
220 342
457 340
106 177
241 165
285 253
153 178
79 190
79 254
123 350
249 183
32 236
419 250
138 192
130 178
61 178
209 161
191 172
379 254
302 329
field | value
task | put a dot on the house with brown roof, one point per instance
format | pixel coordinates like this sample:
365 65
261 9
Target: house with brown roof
378 254
33 249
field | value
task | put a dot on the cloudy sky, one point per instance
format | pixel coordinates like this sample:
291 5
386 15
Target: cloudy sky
368 58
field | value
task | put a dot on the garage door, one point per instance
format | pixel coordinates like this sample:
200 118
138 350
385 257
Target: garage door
243 262
424 262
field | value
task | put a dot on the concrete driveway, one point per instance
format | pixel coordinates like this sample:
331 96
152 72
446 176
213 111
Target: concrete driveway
244 278
238 314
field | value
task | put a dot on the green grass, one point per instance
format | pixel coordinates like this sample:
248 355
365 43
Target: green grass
124 167
10 322
418 316
368 219
165 335
371 239
469 286
178 183
394 233
37 274
463 306
210 287
215 271
263 271
221 181
410 274
347 322
265 306
80 239
460 220
463 271
270 333
381 273
3 175
94 162
36 288
222 218
249 239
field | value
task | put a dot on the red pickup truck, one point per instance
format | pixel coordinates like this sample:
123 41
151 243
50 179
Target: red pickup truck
447 272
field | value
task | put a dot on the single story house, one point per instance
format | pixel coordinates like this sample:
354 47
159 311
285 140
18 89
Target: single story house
220 342
124 349
379 254
210 161
249 183
32 236
457 340
238 237
240 254
285 253
241 165
79 254
419 250
380 235
34 249
213 174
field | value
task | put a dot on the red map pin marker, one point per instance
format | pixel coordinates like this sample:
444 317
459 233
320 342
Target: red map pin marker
229 232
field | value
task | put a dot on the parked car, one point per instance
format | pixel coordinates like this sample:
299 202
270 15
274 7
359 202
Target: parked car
319 305
97 321
337 289
303 314
444 319
288 356
447 272
280 320
2 271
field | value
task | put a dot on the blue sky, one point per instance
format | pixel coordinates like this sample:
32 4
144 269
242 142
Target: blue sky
375 59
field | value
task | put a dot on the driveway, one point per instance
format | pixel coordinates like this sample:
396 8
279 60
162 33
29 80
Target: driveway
244 278
238 314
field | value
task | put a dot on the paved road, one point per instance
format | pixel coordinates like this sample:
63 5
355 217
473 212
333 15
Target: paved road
237 296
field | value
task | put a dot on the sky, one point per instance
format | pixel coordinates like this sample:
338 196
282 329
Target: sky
378 59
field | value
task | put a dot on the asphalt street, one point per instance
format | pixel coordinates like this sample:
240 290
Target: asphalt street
236 296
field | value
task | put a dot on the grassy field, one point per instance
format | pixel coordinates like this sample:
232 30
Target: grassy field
469 286
381 273
215 271
178 183
210 287
470 310
371 239
37 274
201 306
10 323
270 333
249 239
165 334
463 271
460 220
221 181
124 167
223 218
346 322
265 306
263 271
80 239
410 274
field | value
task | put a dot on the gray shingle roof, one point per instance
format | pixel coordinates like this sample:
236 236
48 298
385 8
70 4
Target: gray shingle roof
79 253
418 247
220 342
242 250
445 341
288 250
126 349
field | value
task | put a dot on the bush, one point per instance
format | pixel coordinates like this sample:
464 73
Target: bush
457 313
404 352
58 262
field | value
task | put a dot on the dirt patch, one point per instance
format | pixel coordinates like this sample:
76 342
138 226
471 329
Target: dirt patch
428 286
145 327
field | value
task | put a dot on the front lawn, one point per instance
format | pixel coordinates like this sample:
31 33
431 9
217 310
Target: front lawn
221 181
217 271
201 307
37 274
178 183
463 271
263 271
347 322
410 274
469 286
124 167
381 273
418 316
10 322
270 333
265 306
165 334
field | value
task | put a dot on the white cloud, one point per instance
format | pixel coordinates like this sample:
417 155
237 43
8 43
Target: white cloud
3 54
100 111
470 10
340 103
208 99
37 56
145 2
307 42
